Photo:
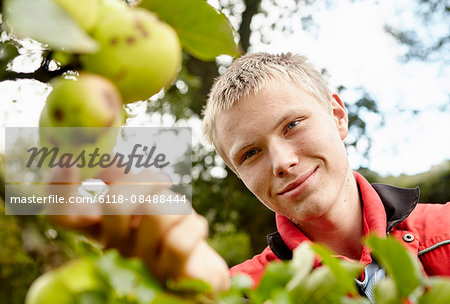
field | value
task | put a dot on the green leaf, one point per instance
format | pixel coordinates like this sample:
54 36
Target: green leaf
276 276
303 262
320 287
231 298
241 282
280 297
203 31
438 291
91 297
165 298
386 292
189 286
344 278
48 23
7 53
129 277
398 262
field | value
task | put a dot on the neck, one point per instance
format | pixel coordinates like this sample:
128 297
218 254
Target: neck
340 229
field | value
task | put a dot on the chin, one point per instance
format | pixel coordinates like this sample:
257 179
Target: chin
310 216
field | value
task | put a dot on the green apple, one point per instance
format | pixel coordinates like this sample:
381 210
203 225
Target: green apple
81 276
47 290
76 140
88 101
67 284
81 115
138 52
84 12
111 6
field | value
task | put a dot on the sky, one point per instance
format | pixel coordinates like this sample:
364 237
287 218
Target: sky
349 42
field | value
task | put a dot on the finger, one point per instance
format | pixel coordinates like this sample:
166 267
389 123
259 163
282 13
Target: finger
57 174
173 237
63 182
206 264
165 202
67 177
133 189
117 176
150 234
116 232
135 221
78 222
153 229
181 239
178 244
111 173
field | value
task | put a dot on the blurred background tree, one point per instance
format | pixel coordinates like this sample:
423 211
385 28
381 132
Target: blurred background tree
432 44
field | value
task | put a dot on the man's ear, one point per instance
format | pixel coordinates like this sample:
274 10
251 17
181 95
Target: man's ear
340 115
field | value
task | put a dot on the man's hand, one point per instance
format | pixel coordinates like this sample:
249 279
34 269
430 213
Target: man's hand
172 246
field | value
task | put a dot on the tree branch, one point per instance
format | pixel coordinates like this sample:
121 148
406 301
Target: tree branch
40 74
43 73
251 9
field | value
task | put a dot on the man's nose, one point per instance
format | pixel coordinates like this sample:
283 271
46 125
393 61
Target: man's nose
283 157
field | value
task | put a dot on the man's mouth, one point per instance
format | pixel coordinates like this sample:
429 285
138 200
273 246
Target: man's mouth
298 185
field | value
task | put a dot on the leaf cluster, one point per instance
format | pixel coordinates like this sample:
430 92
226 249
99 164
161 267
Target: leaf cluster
296 281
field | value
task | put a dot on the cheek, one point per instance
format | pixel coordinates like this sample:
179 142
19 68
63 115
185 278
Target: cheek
328 139
313 141
256 181
252 185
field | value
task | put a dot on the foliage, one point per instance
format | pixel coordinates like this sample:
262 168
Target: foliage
434 184
356 118
56 28
233 246
204 42
32 246
435 187
419 44
17 268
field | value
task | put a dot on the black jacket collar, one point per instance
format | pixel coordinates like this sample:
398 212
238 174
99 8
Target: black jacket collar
398 202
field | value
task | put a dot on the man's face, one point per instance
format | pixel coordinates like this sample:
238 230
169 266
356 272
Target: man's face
288 150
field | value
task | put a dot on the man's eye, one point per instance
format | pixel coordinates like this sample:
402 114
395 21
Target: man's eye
292 124
249 154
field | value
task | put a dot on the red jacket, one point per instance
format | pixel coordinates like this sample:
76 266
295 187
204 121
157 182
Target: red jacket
424 229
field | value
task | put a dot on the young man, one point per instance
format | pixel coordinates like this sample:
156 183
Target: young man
276 124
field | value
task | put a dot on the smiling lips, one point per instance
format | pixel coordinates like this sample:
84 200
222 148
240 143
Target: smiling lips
298 185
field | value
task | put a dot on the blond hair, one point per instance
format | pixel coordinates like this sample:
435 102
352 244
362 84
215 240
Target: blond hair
248 74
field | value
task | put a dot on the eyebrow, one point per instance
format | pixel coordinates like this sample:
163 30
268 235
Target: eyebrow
249 143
